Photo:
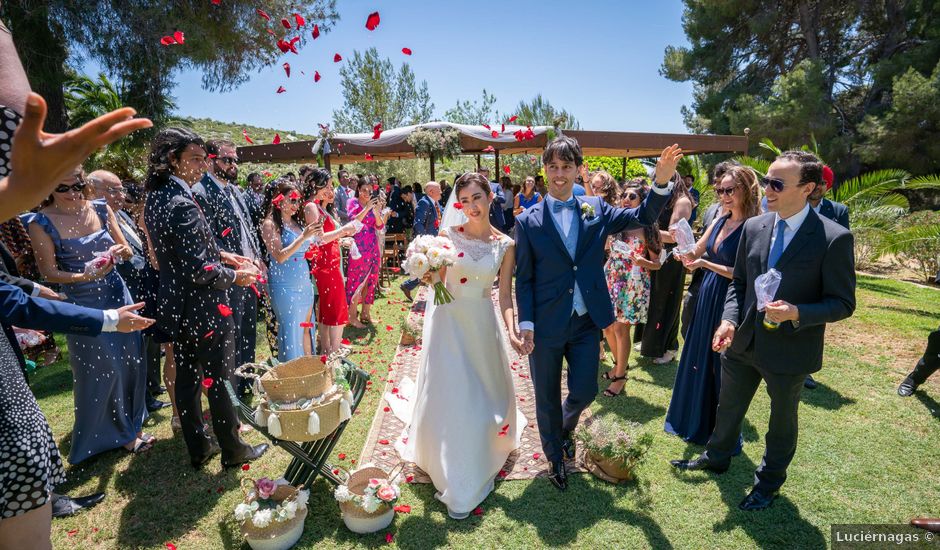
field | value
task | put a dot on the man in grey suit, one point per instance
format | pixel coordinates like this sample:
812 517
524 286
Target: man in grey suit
816 259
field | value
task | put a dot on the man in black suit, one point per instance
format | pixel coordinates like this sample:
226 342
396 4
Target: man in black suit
497 217
816 259
192 303
927 365
229 218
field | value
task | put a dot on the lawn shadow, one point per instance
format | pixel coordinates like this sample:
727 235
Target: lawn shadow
662 375
879 287
825 397
52 380
932 406
100 467
629 407
931 315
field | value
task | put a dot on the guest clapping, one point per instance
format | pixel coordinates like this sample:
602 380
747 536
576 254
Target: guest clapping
109 372
291 292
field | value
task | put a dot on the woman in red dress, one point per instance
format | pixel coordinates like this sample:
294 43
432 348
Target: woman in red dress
325 259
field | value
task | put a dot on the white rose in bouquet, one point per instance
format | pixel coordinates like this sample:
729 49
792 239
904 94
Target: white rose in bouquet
416 265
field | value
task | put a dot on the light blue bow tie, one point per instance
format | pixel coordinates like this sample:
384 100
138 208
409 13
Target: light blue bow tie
571 203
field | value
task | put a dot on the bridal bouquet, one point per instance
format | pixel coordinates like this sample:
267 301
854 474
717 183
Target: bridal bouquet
429 254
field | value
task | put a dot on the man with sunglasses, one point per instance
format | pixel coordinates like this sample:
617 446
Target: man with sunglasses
816 259
229 217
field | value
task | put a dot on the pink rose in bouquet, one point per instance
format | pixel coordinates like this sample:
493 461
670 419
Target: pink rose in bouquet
265 487
386 493
373 483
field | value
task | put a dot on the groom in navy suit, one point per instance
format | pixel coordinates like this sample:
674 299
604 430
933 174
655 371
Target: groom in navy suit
562 292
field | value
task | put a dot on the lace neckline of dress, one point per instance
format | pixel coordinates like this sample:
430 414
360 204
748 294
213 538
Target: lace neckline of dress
475 247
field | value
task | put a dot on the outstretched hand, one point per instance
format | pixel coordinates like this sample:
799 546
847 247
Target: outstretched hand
667 163
129 321
40 160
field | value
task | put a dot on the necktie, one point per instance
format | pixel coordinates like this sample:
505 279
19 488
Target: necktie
777 250
558 206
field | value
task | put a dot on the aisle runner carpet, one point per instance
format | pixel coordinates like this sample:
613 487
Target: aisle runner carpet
528 461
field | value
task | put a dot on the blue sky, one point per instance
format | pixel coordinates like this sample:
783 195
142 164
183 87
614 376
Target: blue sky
598 59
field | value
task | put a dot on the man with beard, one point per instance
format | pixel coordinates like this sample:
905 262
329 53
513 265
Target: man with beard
229 218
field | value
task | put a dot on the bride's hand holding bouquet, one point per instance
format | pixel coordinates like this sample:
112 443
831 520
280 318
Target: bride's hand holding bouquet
428 257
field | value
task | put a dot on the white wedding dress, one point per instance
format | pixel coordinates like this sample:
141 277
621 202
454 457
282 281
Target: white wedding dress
460 416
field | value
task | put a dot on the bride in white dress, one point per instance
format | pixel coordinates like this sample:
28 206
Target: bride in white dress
461 417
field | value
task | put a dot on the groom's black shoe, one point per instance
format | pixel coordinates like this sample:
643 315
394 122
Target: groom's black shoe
700 463
568 445
558 475
757 500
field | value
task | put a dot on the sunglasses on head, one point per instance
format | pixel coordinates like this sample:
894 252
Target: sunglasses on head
65 188
774 183
724 191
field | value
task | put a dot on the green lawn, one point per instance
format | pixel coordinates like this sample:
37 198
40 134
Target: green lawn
865 456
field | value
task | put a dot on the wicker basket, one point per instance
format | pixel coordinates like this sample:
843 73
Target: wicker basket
278 535
299 426
607 469
300 378
358 520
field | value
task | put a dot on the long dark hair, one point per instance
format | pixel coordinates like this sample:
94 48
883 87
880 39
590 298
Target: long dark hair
654 242
317 179
280 187
169 143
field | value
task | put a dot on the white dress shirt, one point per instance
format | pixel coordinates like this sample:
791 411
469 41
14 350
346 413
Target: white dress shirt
793 225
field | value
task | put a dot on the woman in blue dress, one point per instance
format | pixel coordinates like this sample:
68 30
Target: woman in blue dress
289 285
109 372
694 403
528 198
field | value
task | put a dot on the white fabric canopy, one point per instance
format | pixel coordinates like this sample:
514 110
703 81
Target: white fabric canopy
399 135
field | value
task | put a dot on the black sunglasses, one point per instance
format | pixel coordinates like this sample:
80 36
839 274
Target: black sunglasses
632 196
729 190
774 183
64 188
227 160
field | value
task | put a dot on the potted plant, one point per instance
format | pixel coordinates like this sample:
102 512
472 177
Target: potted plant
411 330
272 514
613 446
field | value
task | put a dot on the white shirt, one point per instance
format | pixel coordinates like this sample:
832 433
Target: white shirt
183 184
793 225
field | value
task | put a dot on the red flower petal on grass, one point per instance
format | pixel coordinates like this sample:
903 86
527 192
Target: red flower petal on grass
299 20
337 58
224 310
377 131
207 382
389 328
316 32
372 21
179 37
226 231
403 508
262 14
246 467
342 456
389 538
286 23
506 168
406 51
170 546
478 511
72 532
383 442
248 139
277 139
316 76
281 89
344 341
536 455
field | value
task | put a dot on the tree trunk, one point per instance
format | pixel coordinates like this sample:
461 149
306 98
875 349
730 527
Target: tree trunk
808 28
41 46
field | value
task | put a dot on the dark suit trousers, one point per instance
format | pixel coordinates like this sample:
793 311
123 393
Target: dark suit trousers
930 362
197 358
740 377
152 356
580 347
244 306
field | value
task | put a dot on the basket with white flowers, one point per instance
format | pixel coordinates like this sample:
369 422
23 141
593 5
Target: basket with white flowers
368 498
272 513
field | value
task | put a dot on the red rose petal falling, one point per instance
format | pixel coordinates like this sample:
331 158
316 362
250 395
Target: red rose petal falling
209 334
209 267
377 131
216 2
458 206
460 255
369 157
337 58
463 280
248 139
207 382
506 168
316 32
281 89
226 231
277 139
513 118
224 310
179 37
494 133
299 20
478 511
489 149
262 14
286 23
316 76
305 324
167 40
294 195
406 51
286 69
372 21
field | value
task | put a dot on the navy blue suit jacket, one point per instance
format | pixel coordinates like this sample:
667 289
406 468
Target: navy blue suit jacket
425 217
546 274
497 218
835 211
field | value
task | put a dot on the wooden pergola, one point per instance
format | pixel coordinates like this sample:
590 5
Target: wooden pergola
624 145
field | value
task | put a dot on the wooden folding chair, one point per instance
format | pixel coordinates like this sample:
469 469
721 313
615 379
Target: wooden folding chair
395 245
